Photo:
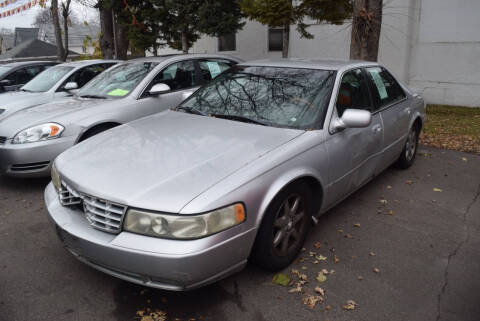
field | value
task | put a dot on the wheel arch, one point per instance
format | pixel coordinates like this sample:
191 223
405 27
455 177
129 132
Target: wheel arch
93 127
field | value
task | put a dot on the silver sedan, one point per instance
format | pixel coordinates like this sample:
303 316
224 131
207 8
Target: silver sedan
30 139
238 171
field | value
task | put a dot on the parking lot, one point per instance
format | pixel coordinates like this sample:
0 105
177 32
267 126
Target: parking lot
406 248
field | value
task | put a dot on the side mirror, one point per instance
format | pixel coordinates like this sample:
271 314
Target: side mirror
158 89
353 118
5 82
70 86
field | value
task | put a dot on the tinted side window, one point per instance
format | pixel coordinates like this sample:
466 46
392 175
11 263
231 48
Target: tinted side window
353 92
386 89
33 71
211 68
180 75
84 75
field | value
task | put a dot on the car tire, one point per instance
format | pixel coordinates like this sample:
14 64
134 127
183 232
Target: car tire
284 227
407 157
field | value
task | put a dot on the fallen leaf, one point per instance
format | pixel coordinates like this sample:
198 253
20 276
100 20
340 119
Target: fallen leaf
317 245
321 258
372 253
281 279
409 182
296 289
348 236
436 189
360 278
336 259
389 187
350 305
325 271
303 249
312 253
356 225
321 277
376 270
304 267
464 159
320 291
332 271
311 300
390 212
383 201
340 231
328 307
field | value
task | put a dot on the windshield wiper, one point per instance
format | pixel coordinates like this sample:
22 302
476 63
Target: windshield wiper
93 96
242 119
191 110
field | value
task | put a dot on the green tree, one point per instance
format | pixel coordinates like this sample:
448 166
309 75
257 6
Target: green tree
182 21
285 13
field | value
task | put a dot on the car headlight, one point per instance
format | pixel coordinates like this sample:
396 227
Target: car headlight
38 133
186 226
56 178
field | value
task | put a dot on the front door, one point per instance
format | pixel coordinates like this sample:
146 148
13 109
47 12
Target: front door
353 152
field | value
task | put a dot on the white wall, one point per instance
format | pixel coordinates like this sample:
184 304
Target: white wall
431 45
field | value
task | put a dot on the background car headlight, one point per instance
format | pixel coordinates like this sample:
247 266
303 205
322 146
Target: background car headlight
38 133
56 178
186 226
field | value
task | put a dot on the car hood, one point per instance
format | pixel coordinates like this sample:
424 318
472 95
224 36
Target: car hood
164 161
51 112
12 102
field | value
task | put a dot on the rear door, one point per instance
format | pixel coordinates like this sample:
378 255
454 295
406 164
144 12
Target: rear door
353 152
393 104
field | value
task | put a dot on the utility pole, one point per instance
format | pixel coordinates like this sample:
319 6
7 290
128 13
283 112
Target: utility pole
115 55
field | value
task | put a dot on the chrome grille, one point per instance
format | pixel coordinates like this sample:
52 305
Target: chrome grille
3 139
101 214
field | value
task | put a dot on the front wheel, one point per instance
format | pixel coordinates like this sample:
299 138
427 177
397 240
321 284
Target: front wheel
284 228
407 157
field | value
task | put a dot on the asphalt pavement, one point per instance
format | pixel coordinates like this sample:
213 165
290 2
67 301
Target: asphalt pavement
404 247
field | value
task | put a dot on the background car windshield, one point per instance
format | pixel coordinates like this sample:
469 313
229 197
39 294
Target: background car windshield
283 97
118 81
47 79
4 69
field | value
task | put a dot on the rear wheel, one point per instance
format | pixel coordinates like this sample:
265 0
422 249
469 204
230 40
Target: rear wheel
284 227
407 157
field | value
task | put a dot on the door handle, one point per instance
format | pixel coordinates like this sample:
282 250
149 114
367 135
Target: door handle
408 110
376 128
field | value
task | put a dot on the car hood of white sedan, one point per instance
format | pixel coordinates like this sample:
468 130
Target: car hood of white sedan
12 102
164 161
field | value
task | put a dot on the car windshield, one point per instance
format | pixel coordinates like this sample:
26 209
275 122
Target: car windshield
4 70
118 81
281 97
47 79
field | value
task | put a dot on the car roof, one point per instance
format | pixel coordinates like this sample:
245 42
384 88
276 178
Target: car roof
186 56
81 63
29 63
309 63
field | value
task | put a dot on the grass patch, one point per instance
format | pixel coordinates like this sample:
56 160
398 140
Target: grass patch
452 127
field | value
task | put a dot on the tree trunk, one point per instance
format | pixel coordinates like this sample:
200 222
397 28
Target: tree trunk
122 41
184 43
65 14
106 38
366 27
58 31
286 40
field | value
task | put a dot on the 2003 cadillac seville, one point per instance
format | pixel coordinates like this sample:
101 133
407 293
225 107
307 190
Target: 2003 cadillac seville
239 170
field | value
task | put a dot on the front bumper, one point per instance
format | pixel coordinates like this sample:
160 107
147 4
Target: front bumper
154 262
32 159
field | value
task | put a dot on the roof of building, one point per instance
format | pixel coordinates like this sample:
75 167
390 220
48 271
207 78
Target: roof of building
33 48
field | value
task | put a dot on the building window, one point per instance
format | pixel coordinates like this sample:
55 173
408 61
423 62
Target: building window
275 39
227 42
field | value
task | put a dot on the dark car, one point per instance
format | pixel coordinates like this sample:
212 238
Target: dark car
16 74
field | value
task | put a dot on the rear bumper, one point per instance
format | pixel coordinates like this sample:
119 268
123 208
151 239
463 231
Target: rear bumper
32 159
159 263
